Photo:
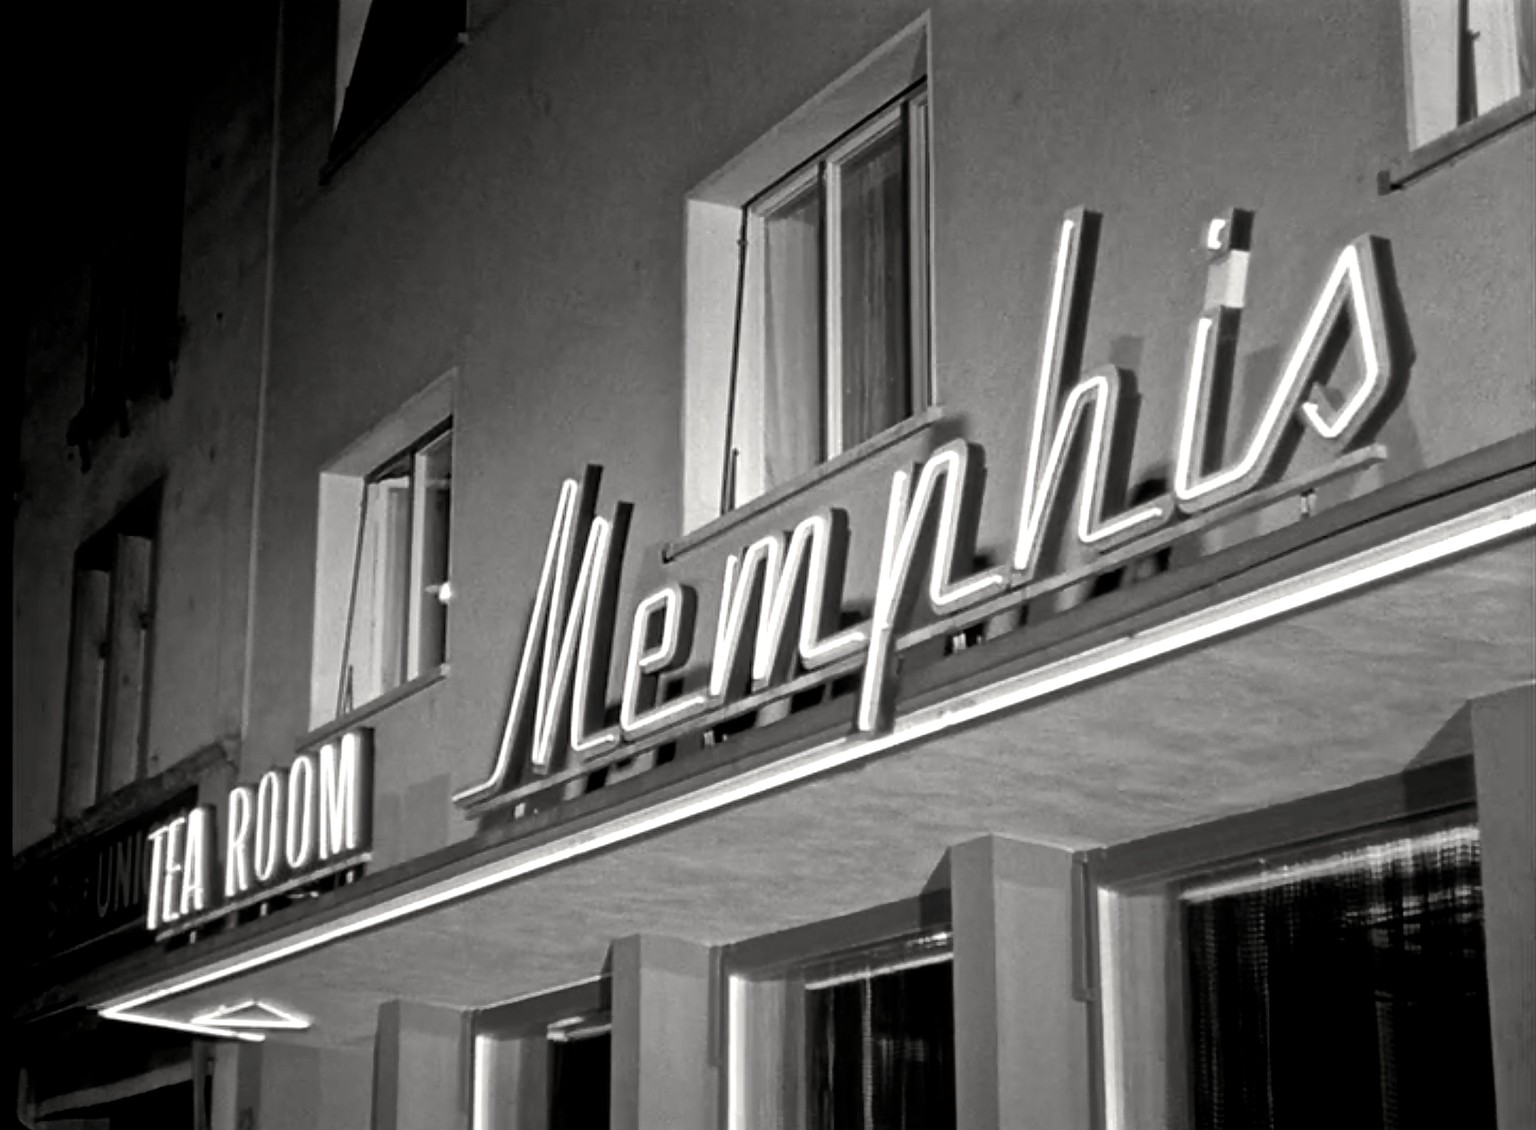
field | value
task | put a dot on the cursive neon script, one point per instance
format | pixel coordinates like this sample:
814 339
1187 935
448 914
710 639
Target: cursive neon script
785 589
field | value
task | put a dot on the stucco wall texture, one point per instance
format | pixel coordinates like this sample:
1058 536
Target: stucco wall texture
521 220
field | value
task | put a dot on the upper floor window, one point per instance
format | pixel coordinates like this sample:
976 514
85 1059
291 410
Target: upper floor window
580 1069
385 50
806 317
833 327
112 618
382 579
1465 59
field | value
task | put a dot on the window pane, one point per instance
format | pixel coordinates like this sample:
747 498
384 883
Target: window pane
87 686
381 589
1465 58
874 303
1347 992
792 338
776 431
129 648
578 1082
434 487
401 42
1501 51
392 570
881 1052
1434 37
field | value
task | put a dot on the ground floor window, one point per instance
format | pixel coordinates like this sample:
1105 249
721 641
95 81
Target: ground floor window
844 1025
579 1076
881 1047
1345 989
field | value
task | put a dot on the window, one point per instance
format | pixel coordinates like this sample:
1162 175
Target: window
833 331
806 315
580 1054
397 623
1318 963
860 1040
882 1048
385 51
544 1061
382 580
111 623
1345 988
1465 58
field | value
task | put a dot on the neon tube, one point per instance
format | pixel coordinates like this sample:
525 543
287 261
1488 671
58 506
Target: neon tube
1485 526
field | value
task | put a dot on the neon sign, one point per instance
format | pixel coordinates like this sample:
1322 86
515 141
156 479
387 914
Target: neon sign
287 829
788 587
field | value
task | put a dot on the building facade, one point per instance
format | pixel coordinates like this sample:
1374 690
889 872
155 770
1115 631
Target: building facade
796 565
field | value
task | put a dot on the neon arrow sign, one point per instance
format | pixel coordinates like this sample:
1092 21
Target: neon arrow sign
252 1014
558 707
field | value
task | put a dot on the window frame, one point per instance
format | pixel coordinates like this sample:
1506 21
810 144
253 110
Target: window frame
906 113
102 554
1424 156
343 144
712 231
340 481
867 943
413 454
1135 911
573 1012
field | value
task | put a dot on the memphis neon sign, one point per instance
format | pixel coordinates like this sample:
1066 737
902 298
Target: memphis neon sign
289 828
785 589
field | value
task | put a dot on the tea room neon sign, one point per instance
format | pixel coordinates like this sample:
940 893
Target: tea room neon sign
789 585
289 828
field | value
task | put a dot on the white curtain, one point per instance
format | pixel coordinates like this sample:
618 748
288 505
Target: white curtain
1500 31
791 347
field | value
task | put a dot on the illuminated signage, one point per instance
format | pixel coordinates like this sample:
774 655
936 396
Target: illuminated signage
289 828
250 1014
785 589
91 895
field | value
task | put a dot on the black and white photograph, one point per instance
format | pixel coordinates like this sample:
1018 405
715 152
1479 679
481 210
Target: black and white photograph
773 565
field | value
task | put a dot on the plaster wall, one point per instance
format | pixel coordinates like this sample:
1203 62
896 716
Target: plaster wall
521 219
311 1087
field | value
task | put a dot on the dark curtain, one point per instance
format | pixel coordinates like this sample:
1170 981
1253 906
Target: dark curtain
882 1052
578 1082
876 329
1347 994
